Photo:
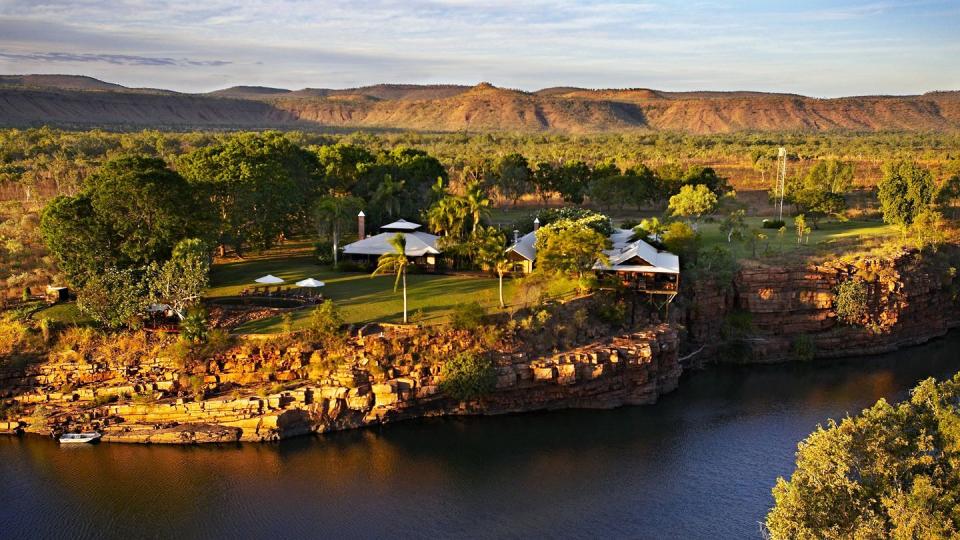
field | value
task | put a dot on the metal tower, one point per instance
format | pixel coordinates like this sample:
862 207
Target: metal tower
781 178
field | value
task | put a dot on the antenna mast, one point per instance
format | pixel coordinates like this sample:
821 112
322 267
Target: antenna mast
781 178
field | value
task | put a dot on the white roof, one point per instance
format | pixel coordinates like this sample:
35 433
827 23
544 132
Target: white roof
526 246
401 225
622 256
269 279
310 282
418 244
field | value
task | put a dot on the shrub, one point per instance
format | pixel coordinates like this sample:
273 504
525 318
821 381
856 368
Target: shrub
467 316
612 313
773 223
323 251
852 302
325 322
193 327
468 376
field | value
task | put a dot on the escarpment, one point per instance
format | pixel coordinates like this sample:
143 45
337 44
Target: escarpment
275 389
776 313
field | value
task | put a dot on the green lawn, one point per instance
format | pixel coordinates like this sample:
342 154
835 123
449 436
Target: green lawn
66 314
830 238
359 297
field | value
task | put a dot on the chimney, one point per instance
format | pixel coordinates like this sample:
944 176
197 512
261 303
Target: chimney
516 236
536 223
360 225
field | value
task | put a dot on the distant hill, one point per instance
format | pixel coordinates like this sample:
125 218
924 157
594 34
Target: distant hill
75 101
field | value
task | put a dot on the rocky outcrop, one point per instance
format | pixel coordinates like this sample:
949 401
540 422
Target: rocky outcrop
780 313
387 378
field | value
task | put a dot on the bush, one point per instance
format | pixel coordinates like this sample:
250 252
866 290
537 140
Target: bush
325 322
773 224
852 302
467 316
193 327
323 251
468 376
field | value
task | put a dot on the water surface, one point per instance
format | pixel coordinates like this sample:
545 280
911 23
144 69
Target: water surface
699 464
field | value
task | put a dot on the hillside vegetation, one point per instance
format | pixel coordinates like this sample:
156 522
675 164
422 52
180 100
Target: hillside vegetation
32 100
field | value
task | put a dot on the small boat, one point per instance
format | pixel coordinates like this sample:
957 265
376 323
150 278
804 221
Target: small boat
79 438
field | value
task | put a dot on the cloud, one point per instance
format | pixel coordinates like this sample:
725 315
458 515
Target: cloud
116 59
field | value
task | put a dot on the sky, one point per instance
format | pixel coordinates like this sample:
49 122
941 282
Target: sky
817 48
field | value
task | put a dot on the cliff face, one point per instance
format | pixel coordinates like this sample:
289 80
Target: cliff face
629 369
776 313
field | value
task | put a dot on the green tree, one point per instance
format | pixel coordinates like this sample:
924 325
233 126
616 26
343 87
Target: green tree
693 201
650 228
180 281
889 472
113 297
803 230
569 246
513 177
336 210
468 376
948 194
492 254
144 205
396 263
905 191
832 176
852 302
477 203
927 229
257 183
545 179
733 225
81 245
681 239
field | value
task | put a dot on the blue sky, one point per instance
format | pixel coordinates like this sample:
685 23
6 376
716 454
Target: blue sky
814 48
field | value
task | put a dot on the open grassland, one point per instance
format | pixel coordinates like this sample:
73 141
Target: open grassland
359 297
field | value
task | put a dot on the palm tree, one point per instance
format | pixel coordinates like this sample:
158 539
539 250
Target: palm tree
478 204
336 210
389 196
396 262
492 253
502 265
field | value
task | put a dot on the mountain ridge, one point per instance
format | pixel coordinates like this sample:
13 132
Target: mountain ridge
67 100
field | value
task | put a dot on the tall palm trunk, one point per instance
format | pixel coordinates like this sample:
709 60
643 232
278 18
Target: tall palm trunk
336 239
404 277
502 305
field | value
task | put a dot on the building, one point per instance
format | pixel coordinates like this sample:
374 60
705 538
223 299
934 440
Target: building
637 264
421 246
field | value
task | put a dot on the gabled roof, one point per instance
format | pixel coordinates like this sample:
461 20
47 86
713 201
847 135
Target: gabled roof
401 225
418 244
625 257
525 246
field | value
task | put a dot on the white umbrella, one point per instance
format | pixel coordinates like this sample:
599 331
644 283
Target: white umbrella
269 279
310 282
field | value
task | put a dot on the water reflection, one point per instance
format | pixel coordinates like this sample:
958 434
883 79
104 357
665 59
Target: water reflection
698 464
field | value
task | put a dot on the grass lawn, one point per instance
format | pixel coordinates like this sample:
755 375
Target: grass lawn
832 238
359 297
67 314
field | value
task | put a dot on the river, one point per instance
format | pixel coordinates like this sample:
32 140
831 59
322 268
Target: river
699 464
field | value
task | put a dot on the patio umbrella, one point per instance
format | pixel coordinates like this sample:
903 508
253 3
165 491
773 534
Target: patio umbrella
269 279
310 282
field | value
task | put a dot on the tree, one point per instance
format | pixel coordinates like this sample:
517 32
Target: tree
852 302
341 165
144 205
569 246
832 176
513 177
258 183
651 228
397 263
905 191
707 177
493 254
477 203
893 471
928 229
681 239
948 194
181 280
335 210
112 296
571 181
693 201
545 179
733 225
79 243
800 222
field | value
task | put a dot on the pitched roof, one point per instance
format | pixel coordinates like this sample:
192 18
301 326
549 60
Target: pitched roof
418 244
400 225
638 256
525 246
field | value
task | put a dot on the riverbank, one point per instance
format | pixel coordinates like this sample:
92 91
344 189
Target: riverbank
699 463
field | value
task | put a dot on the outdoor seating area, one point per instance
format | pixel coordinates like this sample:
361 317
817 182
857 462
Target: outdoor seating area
298 293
